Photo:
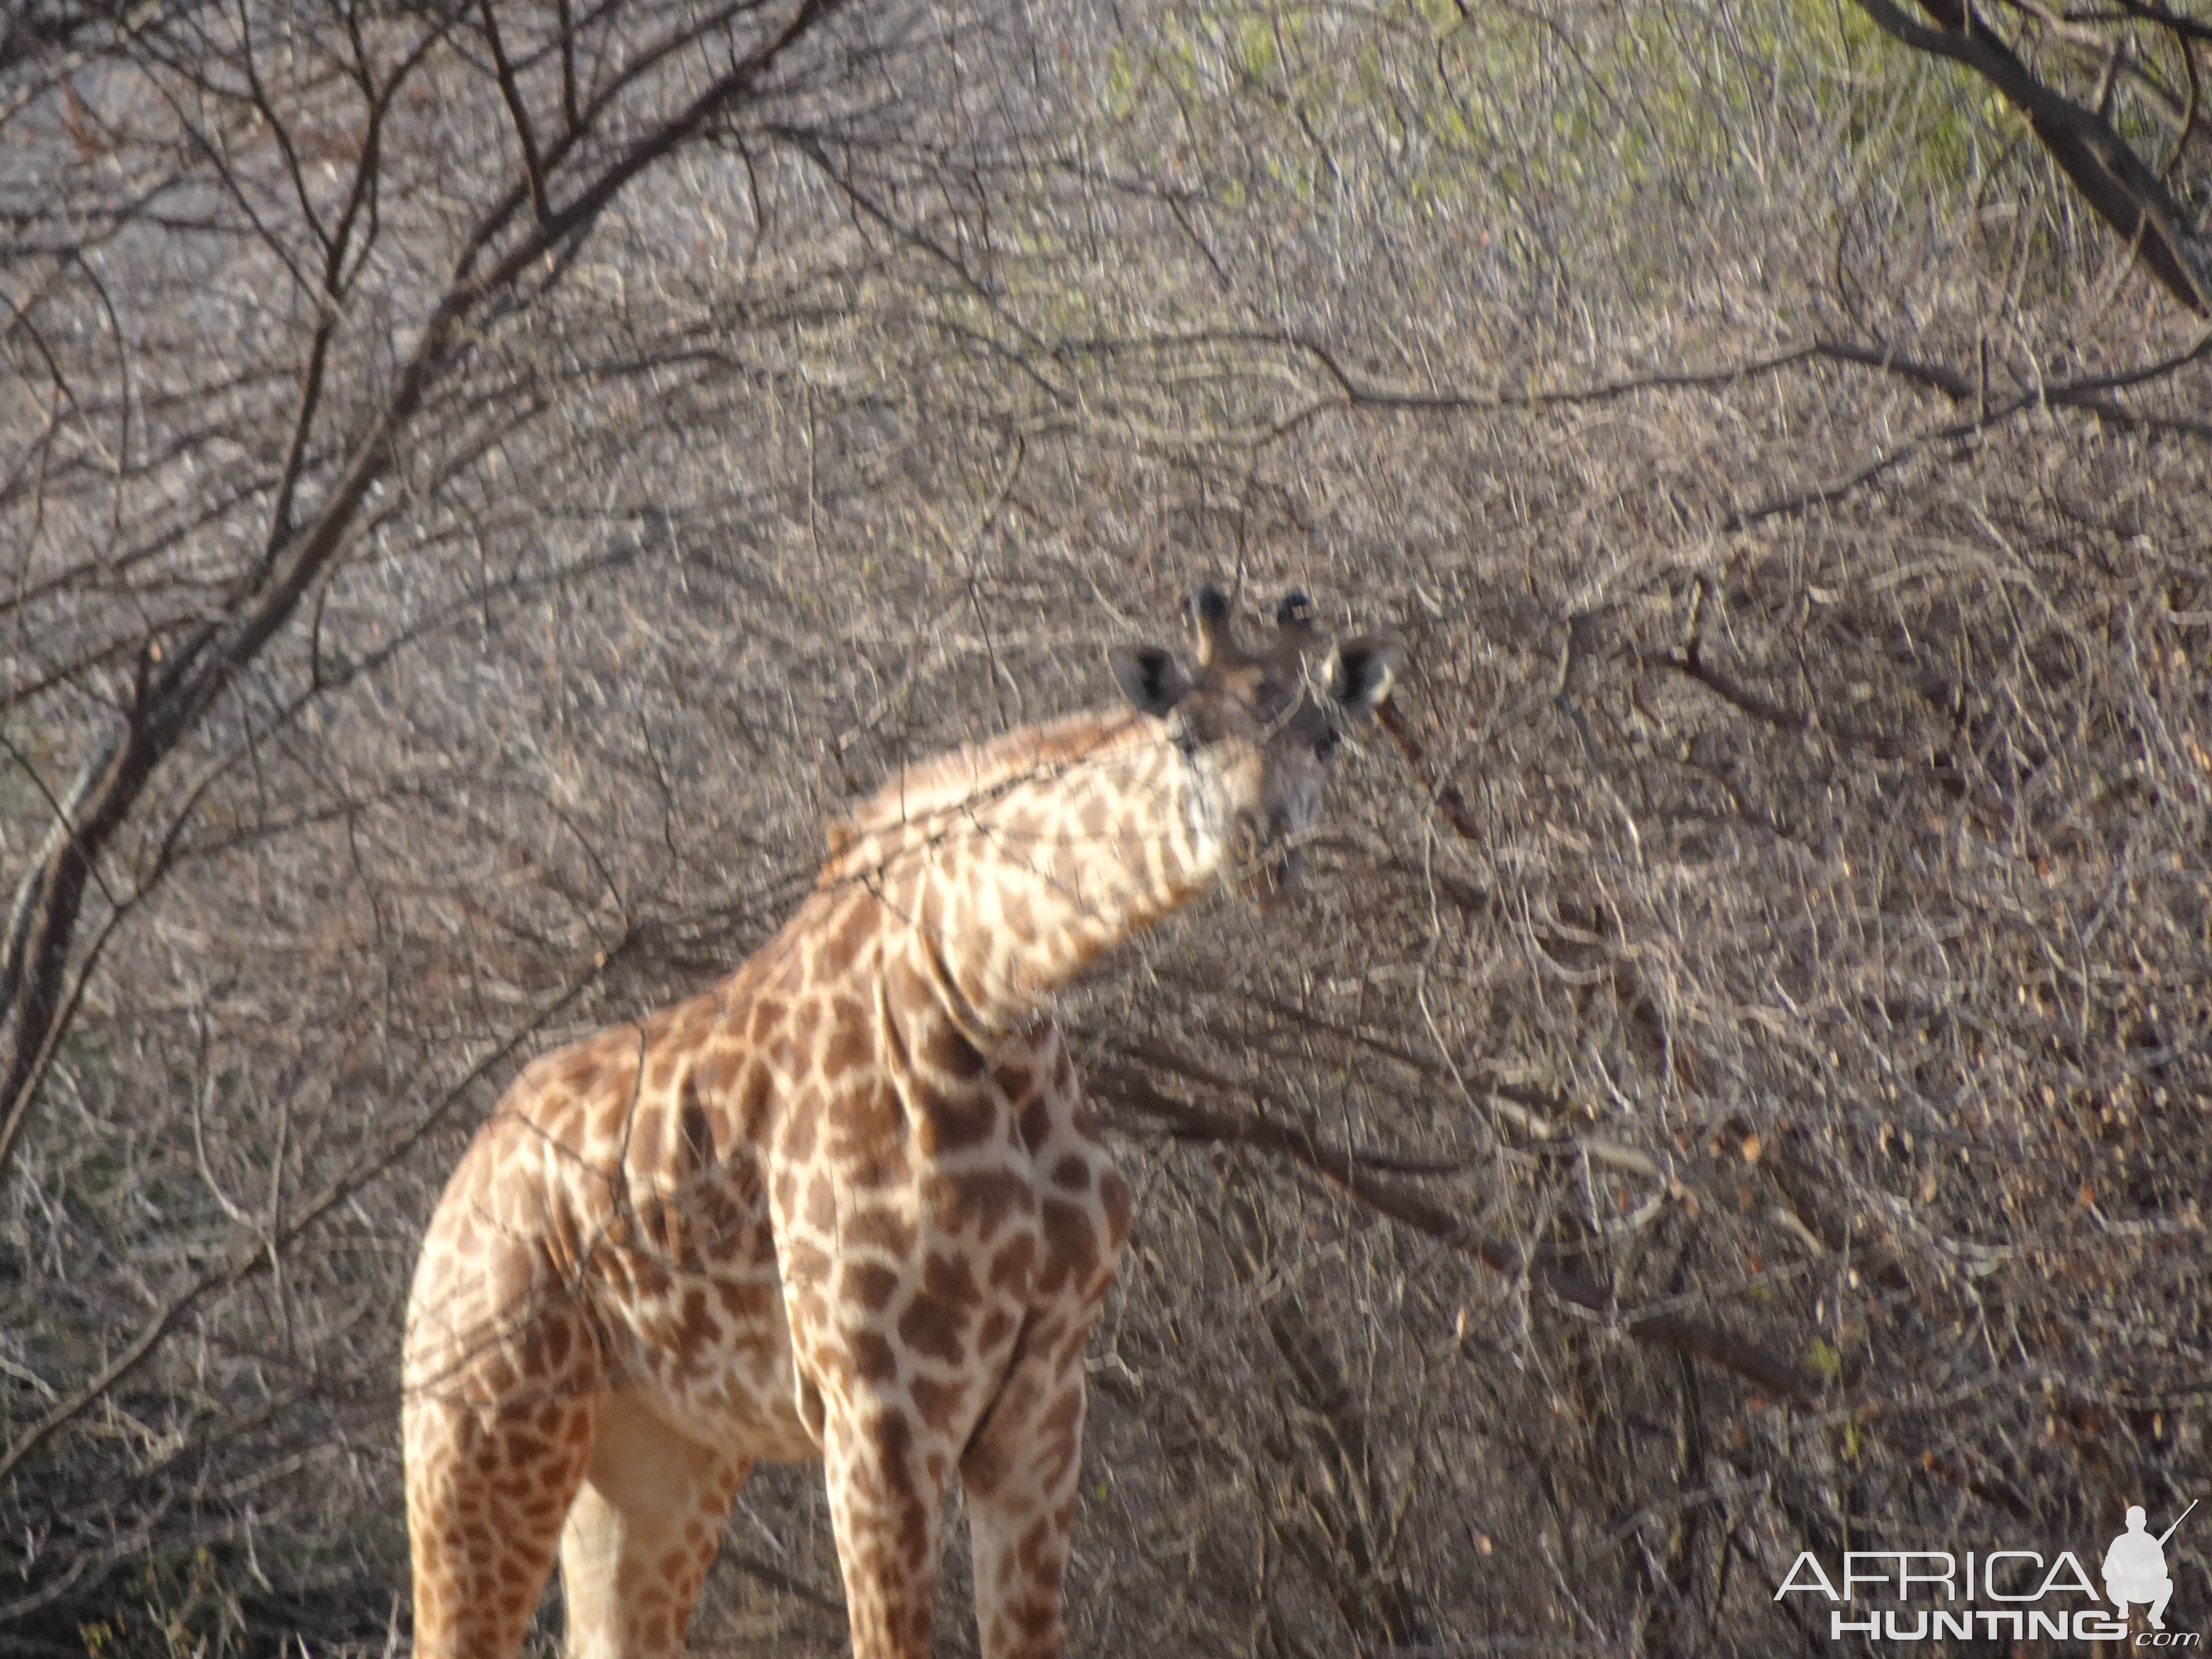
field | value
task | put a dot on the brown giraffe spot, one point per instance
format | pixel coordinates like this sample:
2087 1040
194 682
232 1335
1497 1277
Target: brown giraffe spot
695 1132
998 1326
869 1119
669 1225
884 1229
768 1013
984 1466
848 1050
808 1310
1073 1172
881 1171
554 1337
978 1198
1014 914
746 1302
753 1091
699 1323
1014 1083
894 1440
855 929
562 1120
1071 1245
806 1019
907 994
799 1126
869 1283
1010 1266
645 1130
948 1051
933 1331
847 1010
958 1120
914 1544
1066 1416
1036 1124
950 1280
940 1403
822 1205
714 1071
873 1358
721 1207
1032 1617
1035 1550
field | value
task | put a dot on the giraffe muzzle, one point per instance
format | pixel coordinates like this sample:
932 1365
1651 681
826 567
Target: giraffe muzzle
1270 867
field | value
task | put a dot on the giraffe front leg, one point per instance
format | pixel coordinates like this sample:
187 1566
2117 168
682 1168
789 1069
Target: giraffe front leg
501 1408
886 1476
487 1488
1021 1471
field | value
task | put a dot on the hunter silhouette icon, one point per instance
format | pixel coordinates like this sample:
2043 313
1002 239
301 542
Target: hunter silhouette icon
2135 1566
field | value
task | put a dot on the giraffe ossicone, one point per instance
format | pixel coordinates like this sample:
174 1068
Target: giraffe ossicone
848 1203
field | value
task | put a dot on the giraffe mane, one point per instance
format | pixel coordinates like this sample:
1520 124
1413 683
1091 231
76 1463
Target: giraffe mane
979 771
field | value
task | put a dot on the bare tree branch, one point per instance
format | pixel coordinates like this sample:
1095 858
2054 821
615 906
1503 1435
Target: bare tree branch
43 916
2118 185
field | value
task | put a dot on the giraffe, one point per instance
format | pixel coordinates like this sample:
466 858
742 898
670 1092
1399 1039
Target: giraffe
846 1204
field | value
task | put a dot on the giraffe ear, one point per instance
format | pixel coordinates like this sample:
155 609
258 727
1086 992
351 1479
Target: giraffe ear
1362 673
1150 677
1209 622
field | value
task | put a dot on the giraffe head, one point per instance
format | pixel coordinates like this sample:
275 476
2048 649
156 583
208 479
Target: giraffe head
1256 724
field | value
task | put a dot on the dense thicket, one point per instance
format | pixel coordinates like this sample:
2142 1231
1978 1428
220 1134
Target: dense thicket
1739 1085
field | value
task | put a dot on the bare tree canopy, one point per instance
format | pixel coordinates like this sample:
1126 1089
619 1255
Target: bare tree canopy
480 484
2140 61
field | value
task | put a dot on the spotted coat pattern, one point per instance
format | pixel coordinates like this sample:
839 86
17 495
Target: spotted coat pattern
846 1204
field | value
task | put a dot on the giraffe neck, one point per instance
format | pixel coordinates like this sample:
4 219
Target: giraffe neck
1007 867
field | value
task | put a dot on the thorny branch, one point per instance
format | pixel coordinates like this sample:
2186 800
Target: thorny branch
43 922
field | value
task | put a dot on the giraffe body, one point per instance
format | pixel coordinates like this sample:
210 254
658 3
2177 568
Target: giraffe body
846 1205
